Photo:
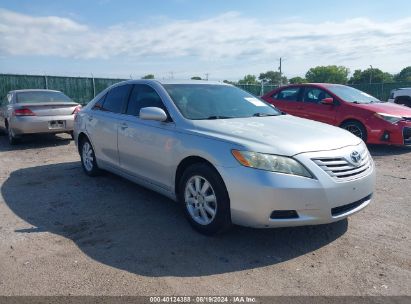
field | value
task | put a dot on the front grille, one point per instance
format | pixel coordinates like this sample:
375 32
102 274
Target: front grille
406 132
336 211
341 169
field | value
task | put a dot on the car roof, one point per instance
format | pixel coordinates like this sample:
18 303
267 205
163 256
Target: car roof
318 84
173 81
33 90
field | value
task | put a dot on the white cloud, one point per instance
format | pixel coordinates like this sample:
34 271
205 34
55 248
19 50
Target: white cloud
229 37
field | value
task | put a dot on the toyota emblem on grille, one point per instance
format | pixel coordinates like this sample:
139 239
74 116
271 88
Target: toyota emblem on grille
355 157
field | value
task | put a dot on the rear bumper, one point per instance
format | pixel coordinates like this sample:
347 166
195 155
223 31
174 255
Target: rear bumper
40 124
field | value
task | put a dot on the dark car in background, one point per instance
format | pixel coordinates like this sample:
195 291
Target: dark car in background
36 111
373 121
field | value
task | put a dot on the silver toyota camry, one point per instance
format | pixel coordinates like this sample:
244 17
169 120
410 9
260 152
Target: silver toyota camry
36 111
225 155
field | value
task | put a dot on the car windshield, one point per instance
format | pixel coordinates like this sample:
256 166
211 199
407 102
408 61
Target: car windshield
207 101
352 95
41 97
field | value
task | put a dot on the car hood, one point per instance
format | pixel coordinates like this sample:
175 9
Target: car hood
284 134
387 108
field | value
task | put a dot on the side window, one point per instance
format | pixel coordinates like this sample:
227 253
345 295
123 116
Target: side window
116 98
99 104
143 96
9 98
290 94
6 100
314 95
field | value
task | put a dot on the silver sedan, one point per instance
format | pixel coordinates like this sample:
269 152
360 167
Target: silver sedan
225 155
36 111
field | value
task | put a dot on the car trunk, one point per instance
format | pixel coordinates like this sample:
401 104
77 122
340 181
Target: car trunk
50 108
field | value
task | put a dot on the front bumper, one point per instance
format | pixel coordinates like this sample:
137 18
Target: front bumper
394 134
40 124
255 194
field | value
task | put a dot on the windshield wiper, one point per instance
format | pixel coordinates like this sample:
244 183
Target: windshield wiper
264 114
218 117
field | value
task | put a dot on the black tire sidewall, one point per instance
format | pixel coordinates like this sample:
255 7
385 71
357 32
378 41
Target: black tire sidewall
358 125
12 139
95 170
222 219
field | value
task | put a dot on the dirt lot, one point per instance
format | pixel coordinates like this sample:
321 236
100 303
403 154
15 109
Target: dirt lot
63 233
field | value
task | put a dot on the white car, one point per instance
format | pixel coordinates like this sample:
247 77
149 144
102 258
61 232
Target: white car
401 96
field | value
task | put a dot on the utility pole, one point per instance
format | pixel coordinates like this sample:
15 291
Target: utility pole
371 74
206 76
281 74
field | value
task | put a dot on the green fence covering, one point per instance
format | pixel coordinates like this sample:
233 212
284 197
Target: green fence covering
83 89
80 89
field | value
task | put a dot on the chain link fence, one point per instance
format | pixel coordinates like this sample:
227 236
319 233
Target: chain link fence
83 89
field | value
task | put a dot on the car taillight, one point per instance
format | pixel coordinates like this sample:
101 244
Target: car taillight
23 112
77 109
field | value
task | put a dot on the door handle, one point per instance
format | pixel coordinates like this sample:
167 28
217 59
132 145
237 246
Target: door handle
123 126
90 118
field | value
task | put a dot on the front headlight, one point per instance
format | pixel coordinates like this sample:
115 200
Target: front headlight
390 118
271 162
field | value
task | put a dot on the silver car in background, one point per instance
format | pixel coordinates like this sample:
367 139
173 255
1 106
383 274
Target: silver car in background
36 111
225 155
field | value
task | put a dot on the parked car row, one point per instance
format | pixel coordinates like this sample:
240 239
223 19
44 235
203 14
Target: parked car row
225 155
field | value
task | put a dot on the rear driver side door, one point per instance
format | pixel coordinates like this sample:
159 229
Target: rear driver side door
103 121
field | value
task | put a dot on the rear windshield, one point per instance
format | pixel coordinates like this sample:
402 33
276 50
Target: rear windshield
41 96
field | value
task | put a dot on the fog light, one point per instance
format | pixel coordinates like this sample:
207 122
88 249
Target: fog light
385 136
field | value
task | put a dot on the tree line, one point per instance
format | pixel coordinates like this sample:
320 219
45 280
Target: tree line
329 73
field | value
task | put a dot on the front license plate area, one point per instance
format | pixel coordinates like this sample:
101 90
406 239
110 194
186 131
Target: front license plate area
57 124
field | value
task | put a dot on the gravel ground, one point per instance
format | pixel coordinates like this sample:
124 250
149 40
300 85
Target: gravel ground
63 233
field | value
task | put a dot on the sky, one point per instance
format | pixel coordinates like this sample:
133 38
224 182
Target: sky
184 38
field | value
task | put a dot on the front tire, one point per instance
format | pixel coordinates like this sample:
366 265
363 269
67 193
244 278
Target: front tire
88 158
205 199
356 128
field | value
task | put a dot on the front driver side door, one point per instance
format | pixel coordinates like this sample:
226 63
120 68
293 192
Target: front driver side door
314 109
146 146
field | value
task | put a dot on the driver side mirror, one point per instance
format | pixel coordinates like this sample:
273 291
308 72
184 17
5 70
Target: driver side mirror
153 113
328 101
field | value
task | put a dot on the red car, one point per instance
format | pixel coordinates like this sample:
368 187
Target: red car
374 121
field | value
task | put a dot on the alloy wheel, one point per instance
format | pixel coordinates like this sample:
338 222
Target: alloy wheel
200 200
88 156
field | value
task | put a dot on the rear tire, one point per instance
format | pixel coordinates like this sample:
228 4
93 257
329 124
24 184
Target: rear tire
13 140
88 158
356 128
205 200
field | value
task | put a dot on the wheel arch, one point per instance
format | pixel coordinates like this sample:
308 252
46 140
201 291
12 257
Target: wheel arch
405 98
80 138
356 120
351 119
187 162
